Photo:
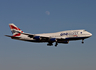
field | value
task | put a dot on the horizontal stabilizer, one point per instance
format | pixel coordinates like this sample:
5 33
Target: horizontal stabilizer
13 37
8 36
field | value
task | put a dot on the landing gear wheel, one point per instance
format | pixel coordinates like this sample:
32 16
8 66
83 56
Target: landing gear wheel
56 44
49 44
82 41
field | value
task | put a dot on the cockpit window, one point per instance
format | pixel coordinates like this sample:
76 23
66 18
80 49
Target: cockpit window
84 30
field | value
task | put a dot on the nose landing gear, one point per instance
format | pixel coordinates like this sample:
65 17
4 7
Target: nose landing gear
82 41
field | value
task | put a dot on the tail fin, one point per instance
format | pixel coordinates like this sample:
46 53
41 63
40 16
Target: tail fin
15 30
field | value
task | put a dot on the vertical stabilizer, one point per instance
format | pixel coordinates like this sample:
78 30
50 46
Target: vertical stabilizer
15 30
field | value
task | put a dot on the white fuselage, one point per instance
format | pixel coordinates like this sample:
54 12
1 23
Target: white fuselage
62 36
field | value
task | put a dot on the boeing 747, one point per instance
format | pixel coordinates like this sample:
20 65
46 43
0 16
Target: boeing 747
57 37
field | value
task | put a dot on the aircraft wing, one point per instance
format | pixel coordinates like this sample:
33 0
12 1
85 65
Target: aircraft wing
36 36
42 37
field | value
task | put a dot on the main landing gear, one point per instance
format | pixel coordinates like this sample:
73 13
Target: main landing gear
82 41
50 44
56 44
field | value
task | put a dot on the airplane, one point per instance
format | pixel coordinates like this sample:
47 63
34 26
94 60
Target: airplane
57 37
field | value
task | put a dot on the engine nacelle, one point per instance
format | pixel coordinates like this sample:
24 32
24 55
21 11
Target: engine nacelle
36 37
53 39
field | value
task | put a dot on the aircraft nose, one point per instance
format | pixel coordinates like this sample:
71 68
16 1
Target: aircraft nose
90 34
